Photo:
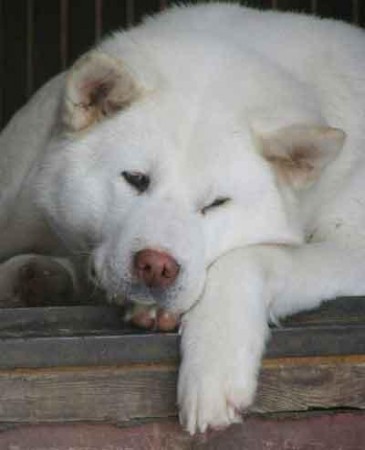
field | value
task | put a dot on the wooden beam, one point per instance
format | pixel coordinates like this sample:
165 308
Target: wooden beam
127 393
85 335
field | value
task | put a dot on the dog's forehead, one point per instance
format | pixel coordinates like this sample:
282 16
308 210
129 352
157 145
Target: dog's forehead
190 139
172 122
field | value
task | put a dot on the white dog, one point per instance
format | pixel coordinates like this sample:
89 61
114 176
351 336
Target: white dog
210 161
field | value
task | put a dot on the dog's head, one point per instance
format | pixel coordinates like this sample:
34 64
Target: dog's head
157 172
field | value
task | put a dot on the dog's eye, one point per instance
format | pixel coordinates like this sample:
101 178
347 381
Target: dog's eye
217 202
138 180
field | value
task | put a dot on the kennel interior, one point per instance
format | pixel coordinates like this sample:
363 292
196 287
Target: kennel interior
69 374
40 38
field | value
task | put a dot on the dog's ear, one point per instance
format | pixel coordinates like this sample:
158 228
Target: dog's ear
298 153
97 86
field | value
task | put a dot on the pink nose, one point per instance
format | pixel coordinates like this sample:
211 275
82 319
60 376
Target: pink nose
156 269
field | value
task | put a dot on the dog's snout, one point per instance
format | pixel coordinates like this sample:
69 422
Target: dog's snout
155 268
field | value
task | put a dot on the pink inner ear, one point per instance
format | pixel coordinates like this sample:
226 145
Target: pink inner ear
298 153
297 167
94 91
305 153
303 157
97 87
100 92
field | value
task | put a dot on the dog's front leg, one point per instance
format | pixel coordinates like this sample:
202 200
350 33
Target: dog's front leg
302 277
223 338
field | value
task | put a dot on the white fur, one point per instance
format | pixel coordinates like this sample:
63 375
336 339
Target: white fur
215 82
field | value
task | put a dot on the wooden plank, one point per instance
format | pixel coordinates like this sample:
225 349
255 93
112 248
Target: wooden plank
69 336
53 351
81 27
302 384
145 7
304 432
295 5
114 394
87 350
346 310
338 9
63 321
317 341
46 57
14 68
121 394
64 33
361 12
114 15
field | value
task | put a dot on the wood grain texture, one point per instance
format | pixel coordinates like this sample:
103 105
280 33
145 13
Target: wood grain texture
45 53
88 335
98 320
81 27
122 348
297 384
114 349
14 36
344 431
121 394
344 310
98 394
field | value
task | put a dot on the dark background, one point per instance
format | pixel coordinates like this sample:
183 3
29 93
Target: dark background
39 38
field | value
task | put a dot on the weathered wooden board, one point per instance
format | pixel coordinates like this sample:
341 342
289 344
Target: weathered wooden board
148 348
297 384
77 336
122 394
106 371
307 432
101 319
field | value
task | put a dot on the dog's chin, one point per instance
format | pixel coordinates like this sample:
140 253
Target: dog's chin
143 296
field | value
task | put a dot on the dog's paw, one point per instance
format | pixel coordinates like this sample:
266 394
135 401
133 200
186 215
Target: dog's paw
213 395
151 318
42 281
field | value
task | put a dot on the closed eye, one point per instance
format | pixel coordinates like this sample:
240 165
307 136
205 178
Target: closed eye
220 201
138 180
